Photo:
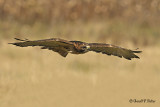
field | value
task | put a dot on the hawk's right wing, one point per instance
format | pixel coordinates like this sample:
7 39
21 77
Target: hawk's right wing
55 44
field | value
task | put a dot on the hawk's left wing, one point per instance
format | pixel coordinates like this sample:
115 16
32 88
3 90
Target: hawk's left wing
113 50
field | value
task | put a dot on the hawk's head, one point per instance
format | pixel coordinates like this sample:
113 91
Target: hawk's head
81 47
85 47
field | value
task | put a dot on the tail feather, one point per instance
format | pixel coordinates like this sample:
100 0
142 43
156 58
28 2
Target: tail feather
21 39
137 51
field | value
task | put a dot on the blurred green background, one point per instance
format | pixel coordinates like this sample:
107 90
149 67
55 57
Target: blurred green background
31 77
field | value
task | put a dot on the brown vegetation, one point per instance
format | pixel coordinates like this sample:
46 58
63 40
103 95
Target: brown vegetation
51 10
111 20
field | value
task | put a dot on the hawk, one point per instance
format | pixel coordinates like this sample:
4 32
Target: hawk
63 47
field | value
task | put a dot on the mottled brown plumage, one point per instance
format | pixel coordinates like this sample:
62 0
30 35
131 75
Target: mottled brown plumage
63 47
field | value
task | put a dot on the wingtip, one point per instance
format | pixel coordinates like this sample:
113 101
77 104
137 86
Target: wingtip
21 39
17 39
137 51
12 43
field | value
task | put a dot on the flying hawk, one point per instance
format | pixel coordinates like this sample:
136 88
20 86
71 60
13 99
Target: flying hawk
63 47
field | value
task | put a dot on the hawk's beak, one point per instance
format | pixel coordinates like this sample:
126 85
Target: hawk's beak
88 47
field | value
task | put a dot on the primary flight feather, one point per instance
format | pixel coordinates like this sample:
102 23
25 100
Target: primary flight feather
63 47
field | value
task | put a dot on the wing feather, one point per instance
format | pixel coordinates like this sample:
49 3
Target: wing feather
62 51
113 50
55 44
45 42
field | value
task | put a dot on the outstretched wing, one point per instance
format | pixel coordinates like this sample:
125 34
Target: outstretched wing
55 44
113 50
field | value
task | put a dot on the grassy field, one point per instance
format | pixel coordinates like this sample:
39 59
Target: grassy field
32 77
